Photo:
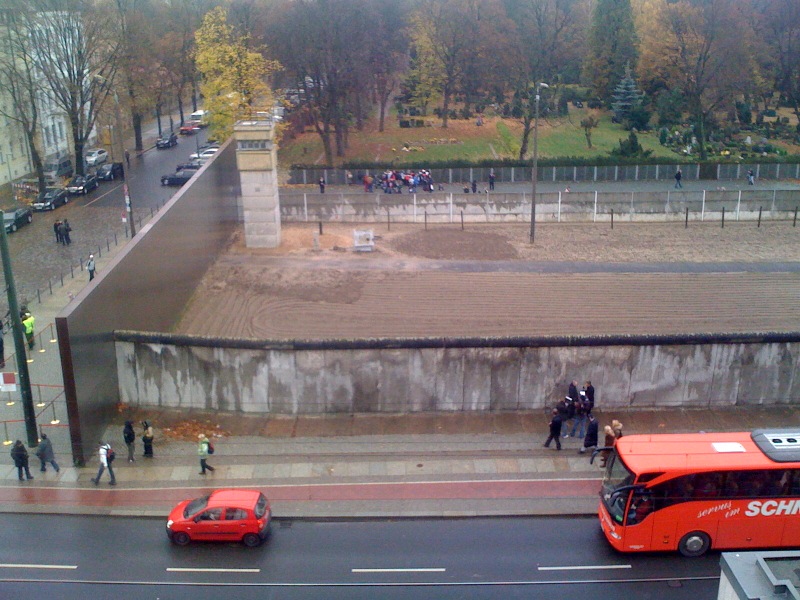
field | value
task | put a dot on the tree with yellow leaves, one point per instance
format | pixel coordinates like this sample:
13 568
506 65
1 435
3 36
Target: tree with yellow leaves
235 77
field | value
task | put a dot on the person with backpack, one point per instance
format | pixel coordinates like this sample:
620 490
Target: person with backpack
19 454
129 435
45 453
147 439
106 454
204 448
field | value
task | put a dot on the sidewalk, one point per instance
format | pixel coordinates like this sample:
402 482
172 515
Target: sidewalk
340 466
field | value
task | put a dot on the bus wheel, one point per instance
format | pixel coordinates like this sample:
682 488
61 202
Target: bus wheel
694 543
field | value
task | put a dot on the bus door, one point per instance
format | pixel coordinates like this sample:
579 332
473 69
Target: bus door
639 521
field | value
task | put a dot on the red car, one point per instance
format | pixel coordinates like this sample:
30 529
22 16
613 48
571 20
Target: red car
189 128
224 515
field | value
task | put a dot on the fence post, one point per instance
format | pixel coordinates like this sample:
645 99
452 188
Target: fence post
415 208
631 213
451 204
703 209
759 216
794 221
320 227
388 219
723 217
686 221
594 220
612 218
426 218
559 206
738 204
774 192
305 205
462 220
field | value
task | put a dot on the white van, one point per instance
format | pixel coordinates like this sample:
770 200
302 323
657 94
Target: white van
199 116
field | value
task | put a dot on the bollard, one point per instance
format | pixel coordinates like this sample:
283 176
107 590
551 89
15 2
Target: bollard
686 221
62 279
50 285
320 227
612 218
99 252
759 216
108 245
151 212
794 222
426 219
462 219
71 272
39 295
723 217
116 243
388 219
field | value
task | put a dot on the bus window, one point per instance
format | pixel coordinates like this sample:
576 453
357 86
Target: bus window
641 507
706 486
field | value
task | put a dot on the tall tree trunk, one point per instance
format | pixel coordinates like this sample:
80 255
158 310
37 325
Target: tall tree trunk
445 106
526 134
180 108
136 117
36 160
77 142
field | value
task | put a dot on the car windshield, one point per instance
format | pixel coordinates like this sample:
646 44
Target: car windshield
617 476
195 506
9 216
261 506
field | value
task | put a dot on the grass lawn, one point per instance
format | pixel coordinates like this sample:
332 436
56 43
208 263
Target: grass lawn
497 138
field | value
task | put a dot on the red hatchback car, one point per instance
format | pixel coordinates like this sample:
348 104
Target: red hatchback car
224 515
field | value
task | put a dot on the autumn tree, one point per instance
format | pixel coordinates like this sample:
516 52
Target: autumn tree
234 78
588 124
700 47
611 46
778 24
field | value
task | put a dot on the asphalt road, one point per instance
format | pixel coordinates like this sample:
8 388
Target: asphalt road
40 263
553 558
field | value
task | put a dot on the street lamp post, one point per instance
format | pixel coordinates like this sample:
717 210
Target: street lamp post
119 152
535 174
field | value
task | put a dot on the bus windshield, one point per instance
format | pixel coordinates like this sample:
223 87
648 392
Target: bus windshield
617 475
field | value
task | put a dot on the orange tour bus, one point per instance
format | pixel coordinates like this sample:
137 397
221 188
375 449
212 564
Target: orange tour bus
693 492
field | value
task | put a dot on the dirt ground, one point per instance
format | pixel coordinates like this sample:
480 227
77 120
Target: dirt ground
488 280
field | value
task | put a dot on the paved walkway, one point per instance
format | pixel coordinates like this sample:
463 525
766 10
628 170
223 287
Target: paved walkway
338 466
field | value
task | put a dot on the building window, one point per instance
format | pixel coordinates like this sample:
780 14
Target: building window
254 145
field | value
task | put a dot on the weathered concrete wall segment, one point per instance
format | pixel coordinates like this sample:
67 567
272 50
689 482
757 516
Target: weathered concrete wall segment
466 375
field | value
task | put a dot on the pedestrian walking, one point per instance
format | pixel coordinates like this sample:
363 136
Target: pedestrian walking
590 440
321 185
491 180
608 443
147 439
751 177
589 389
474 186
106 455
555 430
57 231
616 428
19 454
129 435
46 455
90 266
204 448
678 177
28 322
579 424
65 234
127 158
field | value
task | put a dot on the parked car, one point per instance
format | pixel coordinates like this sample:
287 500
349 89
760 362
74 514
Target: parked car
192 165
189 128
168 140
96 157
58 167
178 178
204 154
110 171
51 199
223 516
17 218
82 184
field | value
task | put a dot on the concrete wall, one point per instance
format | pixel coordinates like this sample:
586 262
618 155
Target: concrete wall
453 375
145 287
441 207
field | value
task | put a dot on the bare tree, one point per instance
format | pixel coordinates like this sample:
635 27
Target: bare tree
75 48
19 79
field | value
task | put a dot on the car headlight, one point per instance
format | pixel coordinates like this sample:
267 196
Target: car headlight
169 523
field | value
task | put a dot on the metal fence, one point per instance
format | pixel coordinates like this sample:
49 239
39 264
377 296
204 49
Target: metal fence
550 206
600 173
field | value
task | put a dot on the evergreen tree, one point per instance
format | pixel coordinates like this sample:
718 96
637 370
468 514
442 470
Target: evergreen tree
628 104
612 45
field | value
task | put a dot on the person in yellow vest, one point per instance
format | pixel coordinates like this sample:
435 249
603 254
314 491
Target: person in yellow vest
27 323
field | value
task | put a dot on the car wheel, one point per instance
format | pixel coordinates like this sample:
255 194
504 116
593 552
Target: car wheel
251 540
694 543
30 218
181 538
13 227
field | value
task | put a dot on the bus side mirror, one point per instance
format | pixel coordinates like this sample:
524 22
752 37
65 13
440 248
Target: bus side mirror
597 451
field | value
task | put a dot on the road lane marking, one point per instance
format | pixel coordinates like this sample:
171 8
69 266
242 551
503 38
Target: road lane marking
199 570
584 567
24 566
420 570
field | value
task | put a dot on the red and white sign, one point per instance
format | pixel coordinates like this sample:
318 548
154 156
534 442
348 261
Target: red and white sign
8 382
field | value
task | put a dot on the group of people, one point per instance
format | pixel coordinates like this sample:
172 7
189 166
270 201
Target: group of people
575 410
44 451
62 230
751 178
393 181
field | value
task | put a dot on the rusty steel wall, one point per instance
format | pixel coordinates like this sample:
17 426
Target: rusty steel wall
145 288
